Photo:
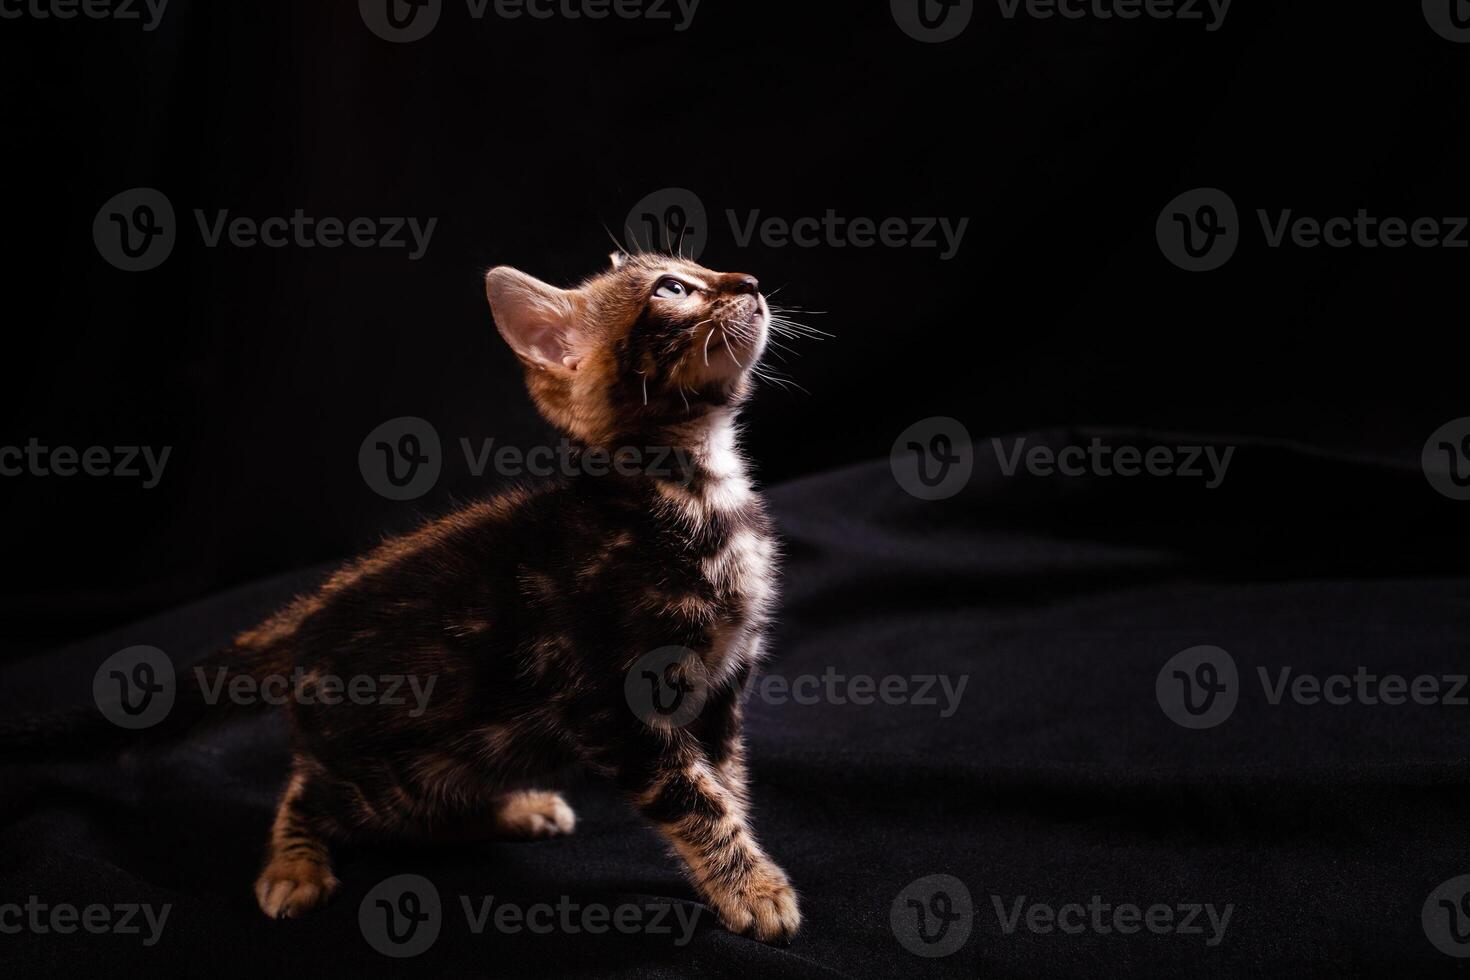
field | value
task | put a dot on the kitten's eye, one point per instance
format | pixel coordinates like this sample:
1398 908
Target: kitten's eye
671 289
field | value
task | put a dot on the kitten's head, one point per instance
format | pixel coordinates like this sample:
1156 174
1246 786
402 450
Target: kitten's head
651 342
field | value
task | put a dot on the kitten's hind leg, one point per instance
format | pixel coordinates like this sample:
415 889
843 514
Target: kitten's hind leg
298 872
531 814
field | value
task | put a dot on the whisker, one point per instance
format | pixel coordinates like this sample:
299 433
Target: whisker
780 346
790 328
616 244
778 379
731 351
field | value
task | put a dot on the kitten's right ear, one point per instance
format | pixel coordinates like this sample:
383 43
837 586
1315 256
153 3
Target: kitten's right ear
537 320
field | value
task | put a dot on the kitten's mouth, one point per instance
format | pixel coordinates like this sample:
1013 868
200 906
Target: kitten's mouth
733 342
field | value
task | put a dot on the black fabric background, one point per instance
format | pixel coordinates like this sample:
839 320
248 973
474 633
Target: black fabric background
1059 778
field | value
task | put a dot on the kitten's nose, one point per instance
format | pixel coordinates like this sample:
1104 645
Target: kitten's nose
748 285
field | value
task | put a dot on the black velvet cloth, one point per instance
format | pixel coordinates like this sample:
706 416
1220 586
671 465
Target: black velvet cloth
1059 777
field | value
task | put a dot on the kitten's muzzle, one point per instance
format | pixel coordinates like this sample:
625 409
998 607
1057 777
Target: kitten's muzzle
738 284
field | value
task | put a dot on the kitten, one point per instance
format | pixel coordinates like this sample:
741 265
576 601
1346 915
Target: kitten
529 610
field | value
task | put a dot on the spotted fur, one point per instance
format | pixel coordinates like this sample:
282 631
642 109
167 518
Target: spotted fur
529 609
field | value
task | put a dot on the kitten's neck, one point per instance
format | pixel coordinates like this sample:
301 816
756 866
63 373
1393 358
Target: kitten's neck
702 463
712 445
718 486
694 462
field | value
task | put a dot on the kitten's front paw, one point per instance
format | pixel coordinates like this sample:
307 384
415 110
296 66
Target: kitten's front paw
286 889
534 814
764 907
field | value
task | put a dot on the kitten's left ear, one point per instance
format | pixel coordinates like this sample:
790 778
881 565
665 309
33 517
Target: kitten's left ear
617 259
537 320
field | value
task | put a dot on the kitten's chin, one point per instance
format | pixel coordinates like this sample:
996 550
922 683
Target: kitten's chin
727 354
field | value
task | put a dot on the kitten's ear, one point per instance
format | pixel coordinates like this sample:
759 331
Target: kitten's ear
617 259
537 320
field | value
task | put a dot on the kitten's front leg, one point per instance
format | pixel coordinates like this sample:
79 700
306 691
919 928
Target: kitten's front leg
694 805
720 729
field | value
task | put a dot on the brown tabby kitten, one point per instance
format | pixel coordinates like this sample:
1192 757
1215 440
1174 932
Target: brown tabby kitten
530 609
